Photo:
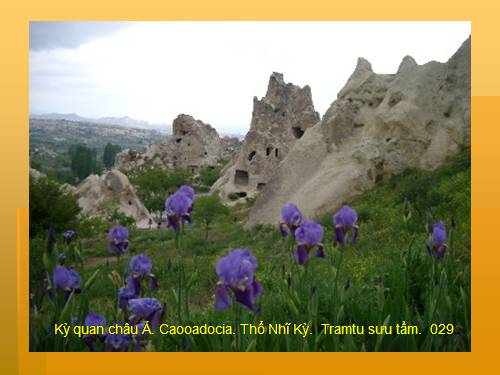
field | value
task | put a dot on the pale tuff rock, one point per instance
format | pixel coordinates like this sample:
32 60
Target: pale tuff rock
194 144
379 125
278 121
36 174
101 195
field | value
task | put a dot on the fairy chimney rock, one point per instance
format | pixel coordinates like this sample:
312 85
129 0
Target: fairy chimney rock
279 119
193 145
196 143
380 125
407 64
101 195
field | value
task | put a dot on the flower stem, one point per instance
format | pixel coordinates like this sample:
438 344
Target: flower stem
237 312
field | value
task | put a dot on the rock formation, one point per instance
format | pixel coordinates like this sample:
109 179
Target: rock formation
36 174
379 125
278 121
101 195
194 144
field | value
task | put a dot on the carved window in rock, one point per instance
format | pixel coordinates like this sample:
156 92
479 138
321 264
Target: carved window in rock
251 155
241 177
297 132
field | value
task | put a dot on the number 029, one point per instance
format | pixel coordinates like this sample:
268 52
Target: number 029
442 329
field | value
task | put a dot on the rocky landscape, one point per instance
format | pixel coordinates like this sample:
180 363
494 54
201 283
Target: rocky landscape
278 120
193 144
100 196
380 124
360 217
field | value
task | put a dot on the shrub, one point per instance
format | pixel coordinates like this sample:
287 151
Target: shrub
207 209
208 175
50 205
155 184
92 226
233 196
120 218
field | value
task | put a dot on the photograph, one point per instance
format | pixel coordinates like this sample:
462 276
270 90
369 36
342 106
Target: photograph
249 186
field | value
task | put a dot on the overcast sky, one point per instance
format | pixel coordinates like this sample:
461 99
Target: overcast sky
211 70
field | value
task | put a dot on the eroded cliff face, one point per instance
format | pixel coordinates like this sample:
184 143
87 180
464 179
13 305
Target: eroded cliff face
278 120
194 144
380 124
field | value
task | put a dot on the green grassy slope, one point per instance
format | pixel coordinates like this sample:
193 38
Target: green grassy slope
384 278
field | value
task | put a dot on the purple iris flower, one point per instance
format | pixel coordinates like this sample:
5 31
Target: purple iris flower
188 192
140 268
67 280
116 342
435 244
292 218
93 319
118 240
307 237
129 291
69 236
178 207
345 221
236 272
145 309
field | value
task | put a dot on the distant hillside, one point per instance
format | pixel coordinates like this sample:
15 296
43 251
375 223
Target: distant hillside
57 134
121 121
50 141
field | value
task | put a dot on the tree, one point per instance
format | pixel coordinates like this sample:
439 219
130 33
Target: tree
50 205
210 174
207 209
154 185
109 155
83 161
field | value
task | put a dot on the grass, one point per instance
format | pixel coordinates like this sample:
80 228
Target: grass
383 279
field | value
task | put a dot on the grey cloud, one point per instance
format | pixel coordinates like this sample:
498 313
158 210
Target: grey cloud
52 35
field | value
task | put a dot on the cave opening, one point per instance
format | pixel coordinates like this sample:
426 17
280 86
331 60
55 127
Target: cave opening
251 155
241 177
297 132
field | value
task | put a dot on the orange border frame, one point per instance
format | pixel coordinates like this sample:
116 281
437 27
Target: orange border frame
14 354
